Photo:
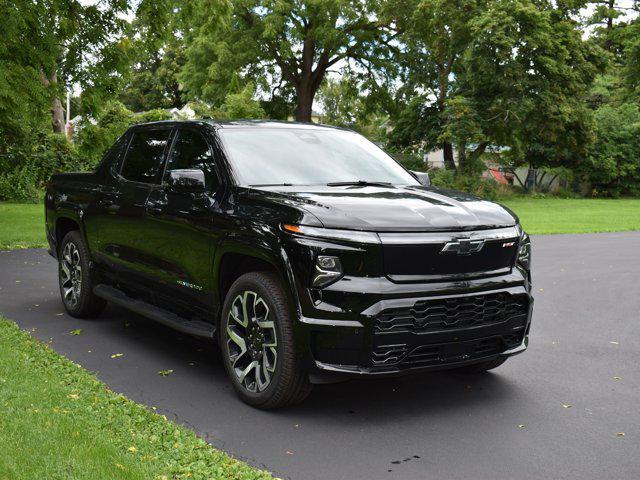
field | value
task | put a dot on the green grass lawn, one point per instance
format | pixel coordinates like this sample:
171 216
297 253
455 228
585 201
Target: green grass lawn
559 215
57 421
22 225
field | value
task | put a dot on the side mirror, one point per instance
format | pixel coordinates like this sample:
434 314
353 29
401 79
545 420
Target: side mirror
422 177
186 180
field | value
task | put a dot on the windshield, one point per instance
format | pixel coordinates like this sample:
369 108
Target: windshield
298 156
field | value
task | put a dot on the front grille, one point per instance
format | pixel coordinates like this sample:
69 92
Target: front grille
453 313
443 330
431 256
441 354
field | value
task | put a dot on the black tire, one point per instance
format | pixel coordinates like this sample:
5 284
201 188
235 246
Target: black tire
482 366
80 303
287 383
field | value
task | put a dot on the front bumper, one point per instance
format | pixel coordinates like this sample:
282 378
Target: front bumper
373 327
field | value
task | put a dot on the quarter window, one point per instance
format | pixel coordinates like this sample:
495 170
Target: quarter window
144 157
191 151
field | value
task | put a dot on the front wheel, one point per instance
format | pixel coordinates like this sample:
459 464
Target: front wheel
74 277
257 343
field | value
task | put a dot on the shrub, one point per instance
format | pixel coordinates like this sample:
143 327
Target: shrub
94 138
475 185
410 160
24 176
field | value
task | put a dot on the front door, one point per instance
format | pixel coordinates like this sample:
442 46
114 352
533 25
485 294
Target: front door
184 226
124 232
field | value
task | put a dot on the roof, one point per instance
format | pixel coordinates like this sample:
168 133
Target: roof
243 124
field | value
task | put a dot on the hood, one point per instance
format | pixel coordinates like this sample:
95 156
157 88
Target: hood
393 208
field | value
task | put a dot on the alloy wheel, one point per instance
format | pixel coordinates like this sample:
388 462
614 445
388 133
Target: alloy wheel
70 275
252 341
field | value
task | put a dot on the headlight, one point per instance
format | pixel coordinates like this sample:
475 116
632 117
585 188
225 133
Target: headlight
327 270
332 233
524 251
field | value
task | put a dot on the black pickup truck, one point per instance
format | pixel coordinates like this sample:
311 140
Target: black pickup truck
306 252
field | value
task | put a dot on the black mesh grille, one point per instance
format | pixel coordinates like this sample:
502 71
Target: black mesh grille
453 313
430 355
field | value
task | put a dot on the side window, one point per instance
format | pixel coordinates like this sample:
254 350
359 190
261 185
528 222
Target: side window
113 156
143 162
191 151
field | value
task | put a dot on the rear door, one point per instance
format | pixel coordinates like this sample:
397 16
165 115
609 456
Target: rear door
184 225
124 232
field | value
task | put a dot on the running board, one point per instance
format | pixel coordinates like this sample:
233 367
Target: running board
196 328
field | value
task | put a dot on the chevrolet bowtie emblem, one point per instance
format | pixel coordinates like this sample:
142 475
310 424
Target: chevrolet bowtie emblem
463 246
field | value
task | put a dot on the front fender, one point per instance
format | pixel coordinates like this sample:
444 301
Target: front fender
263 244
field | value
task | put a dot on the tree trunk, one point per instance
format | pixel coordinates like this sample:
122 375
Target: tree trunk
57 111
304 107
607 44
447 151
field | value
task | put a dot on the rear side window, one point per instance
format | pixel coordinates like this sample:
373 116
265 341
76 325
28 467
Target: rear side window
113 155
191 151
143 162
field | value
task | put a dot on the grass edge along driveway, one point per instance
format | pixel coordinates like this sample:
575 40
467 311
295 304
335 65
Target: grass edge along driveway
59 421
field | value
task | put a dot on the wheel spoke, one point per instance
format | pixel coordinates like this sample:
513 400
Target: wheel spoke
250 299
252 341
243 373
65 270
261 369
70 274
237 311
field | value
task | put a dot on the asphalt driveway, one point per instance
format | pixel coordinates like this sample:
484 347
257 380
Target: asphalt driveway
557 411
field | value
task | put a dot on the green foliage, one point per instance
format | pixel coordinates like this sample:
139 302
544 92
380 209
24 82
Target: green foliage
505 73
94 139
282 43
153 82
613 163
408 158
241 105
91 432
51 45
473 184
23 175
343 105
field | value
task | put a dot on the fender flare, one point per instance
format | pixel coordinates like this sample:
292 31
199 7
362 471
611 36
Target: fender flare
271 252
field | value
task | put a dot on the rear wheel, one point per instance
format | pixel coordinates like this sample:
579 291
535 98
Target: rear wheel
257 343
74 277
482 366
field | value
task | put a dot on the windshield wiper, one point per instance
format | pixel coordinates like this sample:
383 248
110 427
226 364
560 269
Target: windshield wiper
360 183
272 185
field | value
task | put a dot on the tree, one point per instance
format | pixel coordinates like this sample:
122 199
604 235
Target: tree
608 19
22 99
613 163
153 81
157 56
67 42
508 73
291 43
241 104
437 36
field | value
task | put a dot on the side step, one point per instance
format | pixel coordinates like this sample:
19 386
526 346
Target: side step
196 328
